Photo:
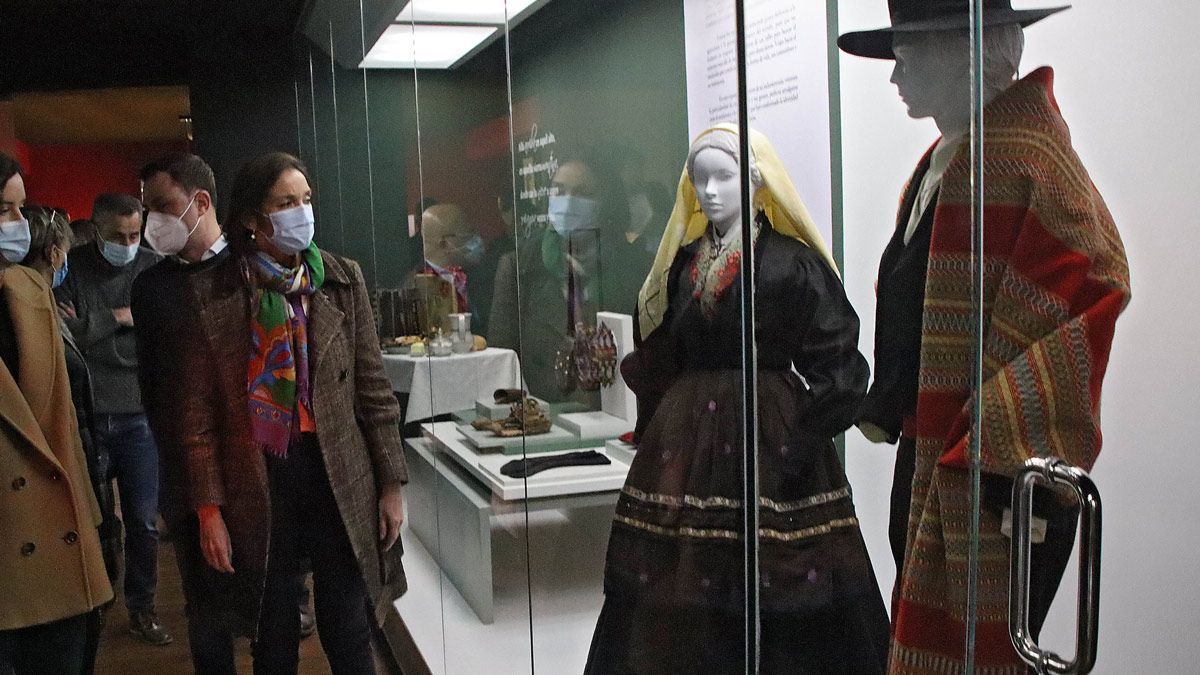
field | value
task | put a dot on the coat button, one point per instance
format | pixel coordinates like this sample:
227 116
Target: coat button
342 377
71 537
18 482
27 548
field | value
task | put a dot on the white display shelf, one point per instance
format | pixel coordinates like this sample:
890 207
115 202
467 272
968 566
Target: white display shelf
563 481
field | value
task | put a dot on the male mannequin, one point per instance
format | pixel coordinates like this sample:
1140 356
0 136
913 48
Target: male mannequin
1056 280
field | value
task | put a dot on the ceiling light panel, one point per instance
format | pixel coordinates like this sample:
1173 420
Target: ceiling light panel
464 11
427 45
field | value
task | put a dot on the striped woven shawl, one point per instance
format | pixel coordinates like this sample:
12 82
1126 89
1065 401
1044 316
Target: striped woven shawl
1056 279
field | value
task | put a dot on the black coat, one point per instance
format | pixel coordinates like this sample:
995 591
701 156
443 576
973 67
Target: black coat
98 463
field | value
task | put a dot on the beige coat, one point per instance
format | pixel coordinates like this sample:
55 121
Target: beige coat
50 562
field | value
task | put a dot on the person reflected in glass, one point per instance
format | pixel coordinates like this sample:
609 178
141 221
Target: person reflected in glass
452 249
291 434
674 579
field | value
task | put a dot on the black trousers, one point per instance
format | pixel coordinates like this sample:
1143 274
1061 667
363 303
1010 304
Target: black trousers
51 648
1048 560
306 524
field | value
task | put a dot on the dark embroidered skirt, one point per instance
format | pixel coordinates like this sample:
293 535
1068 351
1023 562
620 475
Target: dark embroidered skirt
674 572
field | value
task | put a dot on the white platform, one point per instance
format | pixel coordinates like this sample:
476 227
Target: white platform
571 480
486 442
485 407
596 424
454 517
620 450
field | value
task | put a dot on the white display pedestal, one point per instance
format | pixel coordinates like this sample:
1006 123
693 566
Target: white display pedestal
455 495
553 483
618 405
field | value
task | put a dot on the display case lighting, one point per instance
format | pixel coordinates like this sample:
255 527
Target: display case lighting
442 46
438 34
491 12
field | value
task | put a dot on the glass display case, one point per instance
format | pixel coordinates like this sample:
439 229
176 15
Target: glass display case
567 251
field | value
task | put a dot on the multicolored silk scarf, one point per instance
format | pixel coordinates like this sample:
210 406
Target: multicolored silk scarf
277 375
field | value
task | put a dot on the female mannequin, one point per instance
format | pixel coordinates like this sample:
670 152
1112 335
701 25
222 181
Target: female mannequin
674 580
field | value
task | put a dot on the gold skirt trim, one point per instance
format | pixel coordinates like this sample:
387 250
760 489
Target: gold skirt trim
733 535
727 503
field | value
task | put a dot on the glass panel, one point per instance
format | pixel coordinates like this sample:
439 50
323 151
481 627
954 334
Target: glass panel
465 181
600 140
814 575
948 608
364 128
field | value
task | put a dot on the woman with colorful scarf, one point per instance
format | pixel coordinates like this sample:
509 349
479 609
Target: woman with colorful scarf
291 433
674 578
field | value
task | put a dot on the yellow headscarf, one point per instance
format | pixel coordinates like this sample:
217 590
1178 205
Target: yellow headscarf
776 197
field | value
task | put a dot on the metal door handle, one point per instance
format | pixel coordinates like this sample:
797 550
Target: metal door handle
1055 471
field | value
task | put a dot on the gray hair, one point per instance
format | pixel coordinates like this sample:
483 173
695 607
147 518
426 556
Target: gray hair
1002 49
727 142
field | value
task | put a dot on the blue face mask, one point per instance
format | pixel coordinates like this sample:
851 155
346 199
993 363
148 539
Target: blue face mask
569 214
60 274
472 250
14 240
118 255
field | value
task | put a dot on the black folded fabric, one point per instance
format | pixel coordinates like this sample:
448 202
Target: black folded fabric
524 468
508 395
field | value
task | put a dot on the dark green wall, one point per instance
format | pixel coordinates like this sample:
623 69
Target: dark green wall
604 73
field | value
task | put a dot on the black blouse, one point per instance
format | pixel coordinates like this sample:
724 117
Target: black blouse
803 321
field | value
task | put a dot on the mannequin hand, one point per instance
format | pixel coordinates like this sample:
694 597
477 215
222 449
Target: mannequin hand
214 542
874 433
391 515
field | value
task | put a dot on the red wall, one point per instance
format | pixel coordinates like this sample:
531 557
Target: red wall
70 176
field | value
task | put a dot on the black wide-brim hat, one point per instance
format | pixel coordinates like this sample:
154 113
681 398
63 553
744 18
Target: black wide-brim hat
916 16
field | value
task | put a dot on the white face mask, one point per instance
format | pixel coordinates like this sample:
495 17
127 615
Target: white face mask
293 228
14 240
119 255
168 234
569 214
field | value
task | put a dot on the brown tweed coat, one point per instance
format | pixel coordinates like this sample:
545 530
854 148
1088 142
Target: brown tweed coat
357 420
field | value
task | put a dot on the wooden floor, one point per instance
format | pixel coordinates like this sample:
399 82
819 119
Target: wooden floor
122 654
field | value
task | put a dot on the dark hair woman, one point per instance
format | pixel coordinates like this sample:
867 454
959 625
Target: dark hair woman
50 239
52 574
290 430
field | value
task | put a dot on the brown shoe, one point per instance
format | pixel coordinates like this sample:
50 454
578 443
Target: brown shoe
144 625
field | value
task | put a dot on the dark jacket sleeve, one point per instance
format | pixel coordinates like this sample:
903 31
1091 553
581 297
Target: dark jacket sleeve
92 323
144 324
651 368
825 347
375 406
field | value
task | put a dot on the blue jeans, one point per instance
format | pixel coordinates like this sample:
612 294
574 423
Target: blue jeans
134 459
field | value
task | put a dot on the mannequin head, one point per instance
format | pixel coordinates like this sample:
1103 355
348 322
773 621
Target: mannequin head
712 166
448 239
932 71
